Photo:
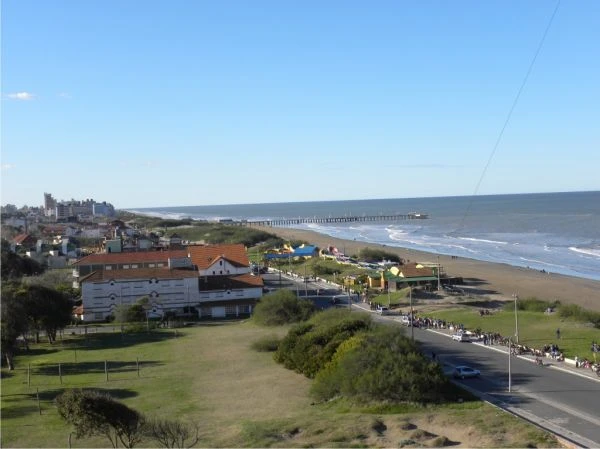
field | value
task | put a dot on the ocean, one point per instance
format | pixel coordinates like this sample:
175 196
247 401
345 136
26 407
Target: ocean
554 232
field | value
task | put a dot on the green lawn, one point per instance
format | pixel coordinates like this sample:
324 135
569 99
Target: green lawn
208 374
536 329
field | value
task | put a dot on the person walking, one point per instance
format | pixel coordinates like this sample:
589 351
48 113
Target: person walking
558 334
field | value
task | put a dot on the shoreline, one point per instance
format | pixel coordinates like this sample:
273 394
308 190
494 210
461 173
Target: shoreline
493 279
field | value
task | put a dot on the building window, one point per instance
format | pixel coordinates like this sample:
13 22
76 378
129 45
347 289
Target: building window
244 308
98 316
151 265
126 267
159 265
220 262
134 265
113 297
108 267
230 310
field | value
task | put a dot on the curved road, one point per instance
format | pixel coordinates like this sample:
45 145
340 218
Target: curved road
564 403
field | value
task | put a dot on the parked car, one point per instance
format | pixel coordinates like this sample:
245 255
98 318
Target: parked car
465 372
383 310
461 337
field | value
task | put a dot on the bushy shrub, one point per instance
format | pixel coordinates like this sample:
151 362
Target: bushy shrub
320 268
576 312
307 348
266 344
531 304
385 365
282 307
377 255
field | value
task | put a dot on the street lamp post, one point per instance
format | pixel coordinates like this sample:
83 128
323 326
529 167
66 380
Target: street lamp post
305 283
516 319
438 273
509 371
412 329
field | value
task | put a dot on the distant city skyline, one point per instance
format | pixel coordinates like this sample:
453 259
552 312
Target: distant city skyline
186 103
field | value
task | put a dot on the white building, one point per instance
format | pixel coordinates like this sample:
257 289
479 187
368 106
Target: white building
167 290
214 280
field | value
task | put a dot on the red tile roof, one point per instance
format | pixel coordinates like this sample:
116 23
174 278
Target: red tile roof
204 256
208 283
139 273
411 270
21 238
131 257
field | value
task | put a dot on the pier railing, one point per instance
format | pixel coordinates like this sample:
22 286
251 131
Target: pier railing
326 220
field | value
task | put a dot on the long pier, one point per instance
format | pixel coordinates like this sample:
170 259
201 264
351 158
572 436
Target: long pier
326 220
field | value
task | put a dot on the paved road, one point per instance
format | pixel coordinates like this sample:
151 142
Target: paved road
561 402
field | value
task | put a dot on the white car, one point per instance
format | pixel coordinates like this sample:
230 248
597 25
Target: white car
460 337
383 310
465 372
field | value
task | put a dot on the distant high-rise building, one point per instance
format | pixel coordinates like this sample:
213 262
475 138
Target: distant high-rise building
49 204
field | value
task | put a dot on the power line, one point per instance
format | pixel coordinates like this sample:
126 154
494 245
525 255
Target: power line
509 115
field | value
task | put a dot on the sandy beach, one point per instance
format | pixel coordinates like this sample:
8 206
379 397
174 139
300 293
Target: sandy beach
496 280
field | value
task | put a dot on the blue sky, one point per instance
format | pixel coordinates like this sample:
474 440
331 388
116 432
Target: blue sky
166 103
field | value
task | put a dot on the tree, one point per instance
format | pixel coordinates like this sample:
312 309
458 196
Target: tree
47 310
282 307
95 413
14 266
383 365
14 322
171 433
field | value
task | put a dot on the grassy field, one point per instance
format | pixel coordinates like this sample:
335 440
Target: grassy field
240 398
536 329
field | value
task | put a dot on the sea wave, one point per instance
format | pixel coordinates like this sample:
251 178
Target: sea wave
541 262
586 251
163 215
473 239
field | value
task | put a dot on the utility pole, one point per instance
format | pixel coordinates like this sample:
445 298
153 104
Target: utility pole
509 373
305 283
438 273
516 296
412 329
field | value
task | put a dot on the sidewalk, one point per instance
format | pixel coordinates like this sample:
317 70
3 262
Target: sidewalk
567 366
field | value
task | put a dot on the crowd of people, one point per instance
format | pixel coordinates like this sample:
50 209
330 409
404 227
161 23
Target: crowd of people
551 350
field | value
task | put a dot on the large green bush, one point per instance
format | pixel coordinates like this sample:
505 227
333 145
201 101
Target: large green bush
310 346
532 304
282 307
382 365
377 255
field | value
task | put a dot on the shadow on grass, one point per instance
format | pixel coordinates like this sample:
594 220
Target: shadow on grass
47 397
72 368
208 322
5 374
122 340
115 393
20 411
486 303
40 349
